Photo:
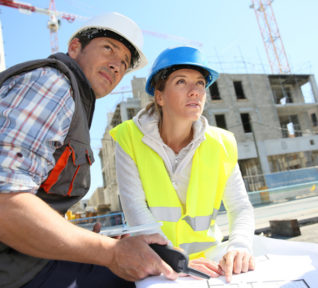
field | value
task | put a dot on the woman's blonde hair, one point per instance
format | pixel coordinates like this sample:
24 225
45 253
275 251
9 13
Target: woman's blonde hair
159 84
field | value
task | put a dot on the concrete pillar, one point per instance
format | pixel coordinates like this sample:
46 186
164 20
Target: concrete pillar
314 87
263 157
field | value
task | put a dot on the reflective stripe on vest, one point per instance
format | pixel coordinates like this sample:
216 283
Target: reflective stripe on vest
200 223
212 163
173 214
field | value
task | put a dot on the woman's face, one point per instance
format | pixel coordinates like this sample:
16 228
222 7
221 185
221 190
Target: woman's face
183 97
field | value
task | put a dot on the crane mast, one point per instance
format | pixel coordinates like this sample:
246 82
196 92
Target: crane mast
273 43
54 17
53 25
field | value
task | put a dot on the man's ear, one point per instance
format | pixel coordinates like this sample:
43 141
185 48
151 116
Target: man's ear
158 97
74 48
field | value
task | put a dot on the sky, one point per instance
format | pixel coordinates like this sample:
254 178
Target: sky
225 30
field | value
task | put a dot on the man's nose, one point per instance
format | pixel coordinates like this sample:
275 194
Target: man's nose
115 64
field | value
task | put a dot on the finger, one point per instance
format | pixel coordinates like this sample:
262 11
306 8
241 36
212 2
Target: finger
227 265
222 266
209 264
251 265
124 236
201 267
155 238
167 271
238 262
159 266
118 237
179 249
97 227
220 270
245 263
215 267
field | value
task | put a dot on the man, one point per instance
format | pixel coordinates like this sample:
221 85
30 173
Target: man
46 108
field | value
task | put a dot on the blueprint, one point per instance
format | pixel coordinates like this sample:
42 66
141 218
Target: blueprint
285 264
263 284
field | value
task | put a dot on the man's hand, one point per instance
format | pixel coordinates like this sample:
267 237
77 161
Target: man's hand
23 227
236 262
206 266
134 259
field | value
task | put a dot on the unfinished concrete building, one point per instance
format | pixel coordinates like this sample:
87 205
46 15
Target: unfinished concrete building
274 119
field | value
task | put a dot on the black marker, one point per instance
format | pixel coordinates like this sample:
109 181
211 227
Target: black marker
177 260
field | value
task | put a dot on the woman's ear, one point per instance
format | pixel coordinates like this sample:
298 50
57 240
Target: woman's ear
158 98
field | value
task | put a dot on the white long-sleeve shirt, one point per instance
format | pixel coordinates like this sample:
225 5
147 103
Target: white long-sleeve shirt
236 202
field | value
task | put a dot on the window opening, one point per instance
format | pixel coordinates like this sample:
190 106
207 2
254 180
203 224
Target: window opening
220 121
245 118
214 91
239 90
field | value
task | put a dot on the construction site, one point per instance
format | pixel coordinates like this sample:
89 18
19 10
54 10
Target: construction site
274 117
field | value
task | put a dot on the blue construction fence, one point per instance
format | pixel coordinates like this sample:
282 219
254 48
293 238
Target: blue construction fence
291 177
287 185
106 220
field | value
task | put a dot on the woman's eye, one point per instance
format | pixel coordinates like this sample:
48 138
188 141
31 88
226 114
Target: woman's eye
202 83
181 81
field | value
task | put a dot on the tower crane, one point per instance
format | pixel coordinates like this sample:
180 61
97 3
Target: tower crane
271 37
54 17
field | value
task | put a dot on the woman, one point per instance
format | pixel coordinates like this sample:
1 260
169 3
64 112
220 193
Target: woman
174 168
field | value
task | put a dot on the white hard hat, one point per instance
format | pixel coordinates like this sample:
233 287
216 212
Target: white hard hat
123 27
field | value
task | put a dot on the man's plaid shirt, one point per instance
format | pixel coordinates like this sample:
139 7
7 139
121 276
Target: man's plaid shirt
36 110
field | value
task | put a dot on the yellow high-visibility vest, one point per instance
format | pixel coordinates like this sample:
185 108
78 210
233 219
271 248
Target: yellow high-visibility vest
212 164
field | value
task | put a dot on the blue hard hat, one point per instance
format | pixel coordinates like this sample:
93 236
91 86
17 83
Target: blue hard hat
180 56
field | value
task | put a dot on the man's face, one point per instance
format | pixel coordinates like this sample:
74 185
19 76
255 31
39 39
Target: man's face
104 62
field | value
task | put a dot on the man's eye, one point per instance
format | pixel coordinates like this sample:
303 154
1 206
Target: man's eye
201 83
108 48
125 65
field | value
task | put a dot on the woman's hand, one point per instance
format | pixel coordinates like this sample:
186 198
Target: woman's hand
236 262
206 266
